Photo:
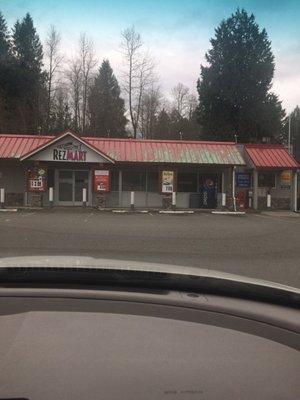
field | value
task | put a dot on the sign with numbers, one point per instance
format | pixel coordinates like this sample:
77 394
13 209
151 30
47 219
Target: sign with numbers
167 180
36 179
101 181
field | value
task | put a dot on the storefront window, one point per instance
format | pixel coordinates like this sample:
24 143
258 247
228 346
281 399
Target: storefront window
186 182
152 181
50 176
114 180
134 180
266 179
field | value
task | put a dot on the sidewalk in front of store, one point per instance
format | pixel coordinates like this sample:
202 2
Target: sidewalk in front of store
116 210
145 210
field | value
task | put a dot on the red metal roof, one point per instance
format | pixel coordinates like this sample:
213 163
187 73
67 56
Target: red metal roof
271 156
169 151
14 146
130 150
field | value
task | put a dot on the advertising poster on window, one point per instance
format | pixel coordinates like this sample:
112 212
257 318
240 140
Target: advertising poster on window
101 181
36 179
243 180
167 180
285 179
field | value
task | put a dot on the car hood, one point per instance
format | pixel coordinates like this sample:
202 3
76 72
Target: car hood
88 270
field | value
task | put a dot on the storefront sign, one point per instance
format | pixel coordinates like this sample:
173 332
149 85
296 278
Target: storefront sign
243 180
167 181
69 151
285 179
101 181
36 179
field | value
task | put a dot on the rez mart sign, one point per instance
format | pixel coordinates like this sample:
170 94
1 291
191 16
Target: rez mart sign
69 151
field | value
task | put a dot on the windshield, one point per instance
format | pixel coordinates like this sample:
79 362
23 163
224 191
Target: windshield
160 132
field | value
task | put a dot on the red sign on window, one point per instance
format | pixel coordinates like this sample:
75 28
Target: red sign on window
36 179
101 181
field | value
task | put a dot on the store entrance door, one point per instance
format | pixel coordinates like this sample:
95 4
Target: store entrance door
70 185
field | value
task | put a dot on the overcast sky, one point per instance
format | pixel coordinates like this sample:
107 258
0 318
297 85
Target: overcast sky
176 32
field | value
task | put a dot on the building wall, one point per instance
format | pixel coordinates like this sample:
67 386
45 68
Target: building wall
12 179
281 197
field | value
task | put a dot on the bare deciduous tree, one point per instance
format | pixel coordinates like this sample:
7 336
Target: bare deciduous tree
192 103
75 79
139 74
150 107
180 94
88 64
54 61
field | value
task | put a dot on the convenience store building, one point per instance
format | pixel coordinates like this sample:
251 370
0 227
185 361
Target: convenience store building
104 172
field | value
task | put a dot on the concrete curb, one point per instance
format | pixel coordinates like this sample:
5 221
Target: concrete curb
178 212
8 209
129 211
229 212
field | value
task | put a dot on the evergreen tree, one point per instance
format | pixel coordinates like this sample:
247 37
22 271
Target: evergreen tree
106 106
294 121
60 117
162 126
4 40
234 89
5 53
30 90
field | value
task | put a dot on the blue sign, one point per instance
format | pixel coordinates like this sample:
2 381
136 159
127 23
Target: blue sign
242 180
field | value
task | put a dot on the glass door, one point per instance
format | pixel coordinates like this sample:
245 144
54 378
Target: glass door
70 185
65 187
81 180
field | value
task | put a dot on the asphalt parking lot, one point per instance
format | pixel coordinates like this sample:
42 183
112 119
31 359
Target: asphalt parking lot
265 246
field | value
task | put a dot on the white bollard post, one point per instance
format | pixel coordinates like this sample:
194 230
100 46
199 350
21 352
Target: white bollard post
296 192
173 200
233 189
132 200
2 197
223 199
51 196
84 197
268 200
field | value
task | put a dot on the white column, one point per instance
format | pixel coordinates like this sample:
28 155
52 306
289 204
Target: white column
233 189
295 191
132 200
268 200
2 197
173 199
84 197
223 199
120 188
223 190
51 196
255 187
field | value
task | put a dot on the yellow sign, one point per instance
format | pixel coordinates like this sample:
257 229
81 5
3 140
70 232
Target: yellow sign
285 178
167 181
